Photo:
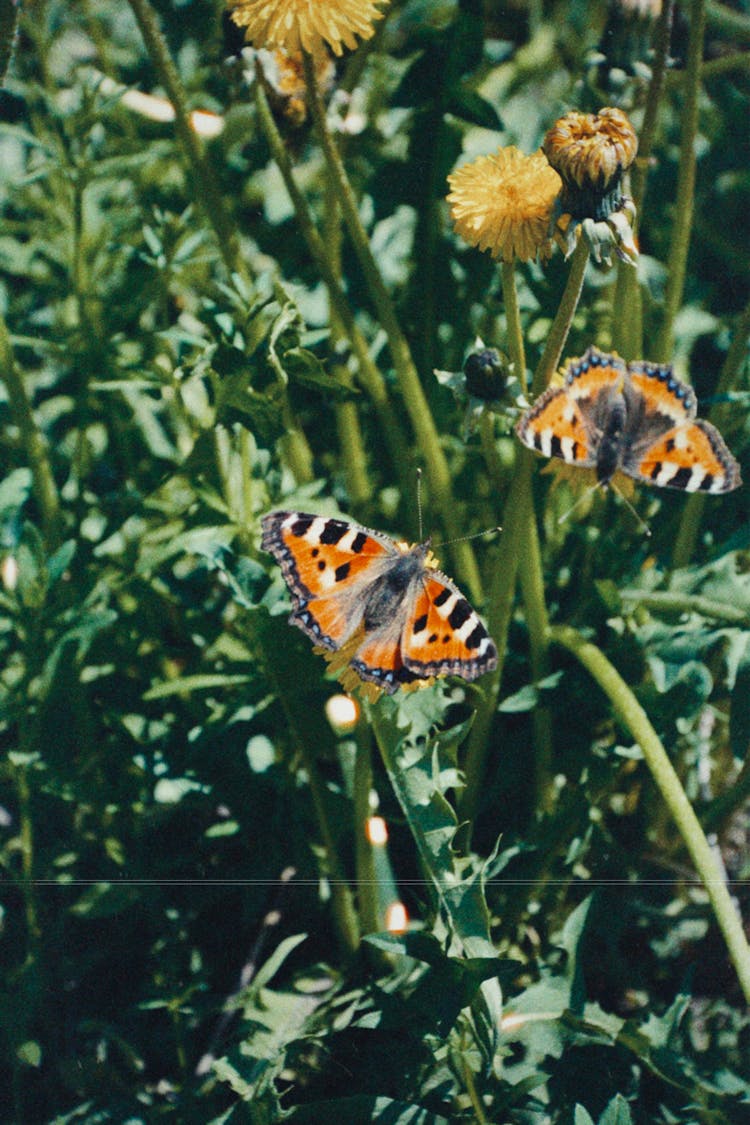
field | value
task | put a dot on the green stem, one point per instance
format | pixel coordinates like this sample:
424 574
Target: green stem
632 716
537 622
669 602
500 609
687 535
686 172
415 401
517 539
202 180
369 376
558 332
367 889
513 323
9 11
353 457
647 136
26 837
45 489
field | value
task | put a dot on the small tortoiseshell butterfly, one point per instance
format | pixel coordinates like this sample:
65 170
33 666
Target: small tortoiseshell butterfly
397 619
636 417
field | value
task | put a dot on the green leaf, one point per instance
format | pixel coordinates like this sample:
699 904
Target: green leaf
616 1113
582 1116
271 966
303 367
363 1109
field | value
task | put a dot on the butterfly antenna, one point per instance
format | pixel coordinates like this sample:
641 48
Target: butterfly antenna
419 504
466 538
642 525
577 503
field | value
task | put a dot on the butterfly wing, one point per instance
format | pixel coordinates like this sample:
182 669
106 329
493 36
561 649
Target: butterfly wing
568 421
328 565
666 445
691 456
443 635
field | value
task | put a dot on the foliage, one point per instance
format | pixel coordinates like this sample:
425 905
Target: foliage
193 922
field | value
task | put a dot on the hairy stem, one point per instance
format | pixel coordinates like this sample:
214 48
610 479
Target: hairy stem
632 716
692 513
202 180
33 442
684 203
369 376
415 401
560 328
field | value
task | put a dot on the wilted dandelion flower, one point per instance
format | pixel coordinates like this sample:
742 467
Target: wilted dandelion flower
591 151
307 25
503 203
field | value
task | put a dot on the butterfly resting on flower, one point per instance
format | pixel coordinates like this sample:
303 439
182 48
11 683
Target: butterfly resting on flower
393 617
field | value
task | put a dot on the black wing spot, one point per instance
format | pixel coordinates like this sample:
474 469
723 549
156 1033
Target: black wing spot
321 565
432 638
315 552
656 470
556 446
419 624
476 636
341 572
446 638
301 526
358 542
681 477
460 613
443 596
669 444
333 531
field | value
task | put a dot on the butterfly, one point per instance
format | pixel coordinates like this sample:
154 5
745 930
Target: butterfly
636 417
384 605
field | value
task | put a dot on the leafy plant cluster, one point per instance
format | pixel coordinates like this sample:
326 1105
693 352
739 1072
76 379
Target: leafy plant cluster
193 921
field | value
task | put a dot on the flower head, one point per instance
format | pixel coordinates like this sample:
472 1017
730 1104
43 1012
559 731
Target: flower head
306 25
591 151
503 203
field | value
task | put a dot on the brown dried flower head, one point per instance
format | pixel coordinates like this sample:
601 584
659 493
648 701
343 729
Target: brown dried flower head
591 151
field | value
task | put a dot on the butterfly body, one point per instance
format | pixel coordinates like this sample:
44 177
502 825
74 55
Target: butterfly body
398 619
637 418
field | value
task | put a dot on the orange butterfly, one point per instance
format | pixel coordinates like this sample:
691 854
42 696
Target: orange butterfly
396 619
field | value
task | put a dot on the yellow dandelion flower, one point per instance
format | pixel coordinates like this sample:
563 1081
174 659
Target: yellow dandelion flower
306 25
503 203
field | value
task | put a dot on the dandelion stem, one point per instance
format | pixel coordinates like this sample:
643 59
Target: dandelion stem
647 136
558 332
537 622
632 716
32 439
686 172
415 401
203 182
369 376
500 609
628 304
513 323
668 601
692 514
353 457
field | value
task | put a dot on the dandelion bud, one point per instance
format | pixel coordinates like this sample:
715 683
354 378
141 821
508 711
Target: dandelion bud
486 374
